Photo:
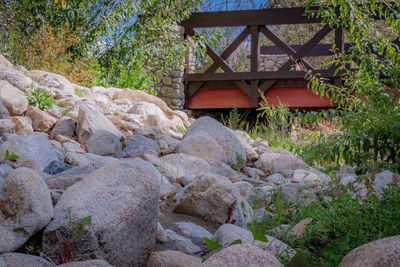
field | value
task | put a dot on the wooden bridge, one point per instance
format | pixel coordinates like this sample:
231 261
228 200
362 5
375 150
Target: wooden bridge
231 89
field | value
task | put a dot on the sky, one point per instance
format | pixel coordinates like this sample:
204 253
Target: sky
222 5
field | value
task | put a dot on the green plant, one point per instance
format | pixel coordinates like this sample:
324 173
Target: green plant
10 157
65 246
344 223
41 100
235 119
368 96
79 93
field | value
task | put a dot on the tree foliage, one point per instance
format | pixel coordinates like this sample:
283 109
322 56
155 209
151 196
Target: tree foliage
128 38
369 96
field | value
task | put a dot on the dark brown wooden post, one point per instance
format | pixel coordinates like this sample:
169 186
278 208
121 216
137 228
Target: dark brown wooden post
255 48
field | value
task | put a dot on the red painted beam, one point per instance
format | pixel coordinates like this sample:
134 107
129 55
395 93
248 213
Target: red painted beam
294 97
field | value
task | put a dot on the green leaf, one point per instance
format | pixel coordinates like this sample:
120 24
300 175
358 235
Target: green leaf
236 242
211 244
86 221
258 235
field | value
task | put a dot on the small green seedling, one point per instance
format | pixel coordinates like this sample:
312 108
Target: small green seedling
10 157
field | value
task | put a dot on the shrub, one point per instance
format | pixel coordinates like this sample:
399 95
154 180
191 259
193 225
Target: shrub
41 100
340 225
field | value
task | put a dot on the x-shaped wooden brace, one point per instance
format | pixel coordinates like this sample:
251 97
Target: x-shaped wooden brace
219 61
293 54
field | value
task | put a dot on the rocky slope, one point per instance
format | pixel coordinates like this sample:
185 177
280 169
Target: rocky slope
152 193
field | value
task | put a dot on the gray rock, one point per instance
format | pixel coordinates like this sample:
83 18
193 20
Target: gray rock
161 235
91 119
41 120
6 126
88 263
254 173
182 165
307 178
25 208
293 193
202 145
139 145
171 258
64 126
242 255
234 153
181 243
222 169
30 147
83 160
23 260
212 197
246 190
23 125
65 179
228 233
4 114
56 166
15 77
262 215
122 198
276 178
279 162
381 252
383 180
193 230
13 99
104 143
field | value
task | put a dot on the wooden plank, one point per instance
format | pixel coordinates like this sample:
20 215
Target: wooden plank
282 45
270 16
308 46
317 51
255 48
218 60
231 48
264 75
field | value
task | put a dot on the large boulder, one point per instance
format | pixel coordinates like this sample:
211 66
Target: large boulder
135 96
242 255
25 208
234 153
122 199
214 198
202 145
23 260
104 143
87 159
5 62
297 193
41 120
171 258
272 162
182 166
139 145
228 233
381 252
91 119
64 126
308 178
13 99
30 147
15 77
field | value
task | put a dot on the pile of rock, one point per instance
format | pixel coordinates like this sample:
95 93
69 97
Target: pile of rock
120 158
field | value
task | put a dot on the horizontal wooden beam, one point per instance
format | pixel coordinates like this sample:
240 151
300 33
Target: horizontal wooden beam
264 75
270 16
317 51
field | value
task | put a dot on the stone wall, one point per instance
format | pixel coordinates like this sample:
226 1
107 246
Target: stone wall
172 89
272 62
